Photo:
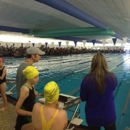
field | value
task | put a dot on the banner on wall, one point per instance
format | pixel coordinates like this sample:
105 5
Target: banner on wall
93 41
67 43
39 44
33 44
59 44
75 42
27 44
114 40
52 44
46 44
104 42
125 39
84 42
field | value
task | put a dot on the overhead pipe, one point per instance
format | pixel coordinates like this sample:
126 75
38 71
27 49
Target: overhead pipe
128 40
13 29
120 37
73 11
73 32
92 33
76 39
69 9
76 30
70 38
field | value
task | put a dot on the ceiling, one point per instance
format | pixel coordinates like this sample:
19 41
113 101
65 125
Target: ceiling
32 16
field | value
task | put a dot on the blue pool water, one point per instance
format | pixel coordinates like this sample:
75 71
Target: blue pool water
68 72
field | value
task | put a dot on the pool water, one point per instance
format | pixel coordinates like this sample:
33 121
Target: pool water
68 72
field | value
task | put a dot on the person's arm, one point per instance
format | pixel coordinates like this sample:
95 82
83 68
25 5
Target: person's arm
66 120
63 120
36 117
115 82
23 95
3 74
35 93
83 89
27 127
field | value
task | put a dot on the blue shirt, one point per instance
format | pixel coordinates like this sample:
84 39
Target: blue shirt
100 108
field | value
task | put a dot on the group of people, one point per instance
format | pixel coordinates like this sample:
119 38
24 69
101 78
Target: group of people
96 90
20 51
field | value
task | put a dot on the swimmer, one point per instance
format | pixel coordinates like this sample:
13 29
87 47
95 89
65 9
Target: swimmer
48 116
27 97
3 83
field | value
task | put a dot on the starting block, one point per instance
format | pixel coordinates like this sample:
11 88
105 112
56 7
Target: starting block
66 102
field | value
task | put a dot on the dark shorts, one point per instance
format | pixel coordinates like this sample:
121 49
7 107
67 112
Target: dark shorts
110 127
20 121
1 81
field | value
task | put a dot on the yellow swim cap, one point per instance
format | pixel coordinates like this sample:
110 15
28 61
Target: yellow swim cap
51 92
30 72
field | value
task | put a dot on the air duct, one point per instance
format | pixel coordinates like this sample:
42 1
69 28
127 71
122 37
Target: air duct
91 31
69 9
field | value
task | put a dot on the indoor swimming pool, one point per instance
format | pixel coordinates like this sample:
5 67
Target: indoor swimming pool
68 72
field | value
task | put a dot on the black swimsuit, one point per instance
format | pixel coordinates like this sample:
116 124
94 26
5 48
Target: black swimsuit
28 106
4 79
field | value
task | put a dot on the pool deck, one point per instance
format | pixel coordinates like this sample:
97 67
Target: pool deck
8 117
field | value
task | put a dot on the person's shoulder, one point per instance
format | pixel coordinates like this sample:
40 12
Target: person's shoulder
111 74
62 117
36 109
22 66
25 88
62 113
87 76
37 106
24 91
4 67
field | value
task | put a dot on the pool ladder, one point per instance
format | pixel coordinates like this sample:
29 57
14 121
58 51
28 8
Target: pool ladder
127 128
11 81
75 119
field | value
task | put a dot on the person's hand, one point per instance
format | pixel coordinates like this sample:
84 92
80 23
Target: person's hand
36 94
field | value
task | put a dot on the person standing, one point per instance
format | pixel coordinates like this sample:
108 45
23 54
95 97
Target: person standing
97 90
3 83
27 97
33 55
